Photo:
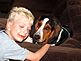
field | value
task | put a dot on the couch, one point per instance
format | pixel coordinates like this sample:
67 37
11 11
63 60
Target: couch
68 51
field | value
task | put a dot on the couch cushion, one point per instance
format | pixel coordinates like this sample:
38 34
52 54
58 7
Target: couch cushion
56 53
2 23
71 42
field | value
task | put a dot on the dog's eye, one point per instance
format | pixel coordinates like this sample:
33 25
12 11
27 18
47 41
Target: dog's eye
39 25
46 28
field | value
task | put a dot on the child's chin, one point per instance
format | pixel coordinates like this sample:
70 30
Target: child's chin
20 40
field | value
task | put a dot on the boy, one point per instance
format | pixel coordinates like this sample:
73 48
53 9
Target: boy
17 28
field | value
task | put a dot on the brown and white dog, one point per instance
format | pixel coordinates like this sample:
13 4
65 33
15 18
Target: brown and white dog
46 27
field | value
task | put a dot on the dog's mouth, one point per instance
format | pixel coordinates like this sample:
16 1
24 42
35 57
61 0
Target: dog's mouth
40 42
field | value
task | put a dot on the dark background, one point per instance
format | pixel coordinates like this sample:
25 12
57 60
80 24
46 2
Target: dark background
38 7
67 11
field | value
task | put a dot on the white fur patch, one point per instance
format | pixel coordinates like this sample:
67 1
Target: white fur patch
29 39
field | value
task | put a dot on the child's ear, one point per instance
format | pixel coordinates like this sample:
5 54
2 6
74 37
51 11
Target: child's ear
8 25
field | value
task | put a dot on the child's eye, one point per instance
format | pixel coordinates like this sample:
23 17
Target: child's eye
21 26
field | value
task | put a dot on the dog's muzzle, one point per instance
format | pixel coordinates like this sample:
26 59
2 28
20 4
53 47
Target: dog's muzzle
36 37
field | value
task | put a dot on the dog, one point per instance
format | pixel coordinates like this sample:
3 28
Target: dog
46 27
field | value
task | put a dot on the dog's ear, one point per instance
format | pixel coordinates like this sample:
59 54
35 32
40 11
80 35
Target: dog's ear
54 35
32 31
57 30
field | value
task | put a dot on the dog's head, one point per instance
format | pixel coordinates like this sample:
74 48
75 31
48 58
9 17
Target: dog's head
46 27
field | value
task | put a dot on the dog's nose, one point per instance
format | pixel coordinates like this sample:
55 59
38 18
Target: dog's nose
36 37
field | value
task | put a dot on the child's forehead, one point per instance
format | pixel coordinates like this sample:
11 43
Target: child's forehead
22 20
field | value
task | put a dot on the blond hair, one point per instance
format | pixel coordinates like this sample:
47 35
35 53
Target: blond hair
20 10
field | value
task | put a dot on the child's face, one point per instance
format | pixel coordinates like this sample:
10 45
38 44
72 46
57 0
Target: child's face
19 28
